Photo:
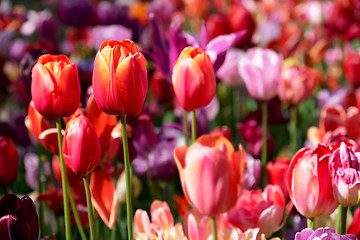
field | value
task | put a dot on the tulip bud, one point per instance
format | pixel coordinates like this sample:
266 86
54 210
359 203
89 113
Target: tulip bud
55 86
211 173
18 218
309 167
344 166
81 145
194 79
9 158
261 72
120 78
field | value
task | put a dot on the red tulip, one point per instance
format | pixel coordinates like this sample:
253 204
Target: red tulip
55 86
352 69
9 159
354 227
120 78
309 182
211 173
277 174
81 149
194 79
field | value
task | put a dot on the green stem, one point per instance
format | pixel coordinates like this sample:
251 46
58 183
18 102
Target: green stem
193 126
186 128
341 220
75 212
128 178
42 182
293 128
115 170
213 226
264 141
63 181
310 223
90 209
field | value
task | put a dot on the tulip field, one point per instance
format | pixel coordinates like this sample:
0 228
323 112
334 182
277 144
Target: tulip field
179 119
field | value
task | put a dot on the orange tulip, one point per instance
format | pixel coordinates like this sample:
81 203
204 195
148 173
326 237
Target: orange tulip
120 78
194 79
211 173
55 86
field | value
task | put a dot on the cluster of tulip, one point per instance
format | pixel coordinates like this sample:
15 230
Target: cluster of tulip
248 128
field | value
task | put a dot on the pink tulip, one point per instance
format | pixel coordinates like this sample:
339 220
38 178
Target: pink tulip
261 72
297 84
161 225
259 209
309 182
344 166
211 173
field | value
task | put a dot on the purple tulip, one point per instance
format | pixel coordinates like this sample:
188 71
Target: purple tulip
322 234
332 98
261 72
344 167
229 71
18 218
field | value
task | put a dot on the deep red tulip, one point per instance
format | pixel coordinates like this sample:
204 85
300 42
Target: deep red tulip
240 18
120 78
9 159
81 145
18 218
352 69
211 173
194 79
309 182
55 86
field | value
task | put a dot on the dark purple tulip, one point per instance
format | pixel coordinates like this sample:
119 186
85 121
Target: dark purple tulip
26 65
76 13
18 218
111 13
322 234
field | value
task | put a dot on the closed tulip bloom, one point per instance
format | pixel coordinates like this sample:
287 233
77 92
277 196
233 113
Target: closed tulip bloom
9 159
344 166
81 149
18 218
261 72
120 78
309 182
193 79
55 86
211 173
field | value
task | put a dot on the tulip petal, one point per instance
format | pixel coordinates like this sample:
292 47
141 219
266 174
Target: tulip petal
104 196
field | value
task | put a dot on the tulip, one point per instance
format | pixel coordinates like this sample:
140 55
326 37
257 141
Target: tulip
211 173
18 218
81 148
9 159
261 72
277 174
255 209
55 86
352 69
309 167
193 79
344 166
297 84
161 226
120 78
322 234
